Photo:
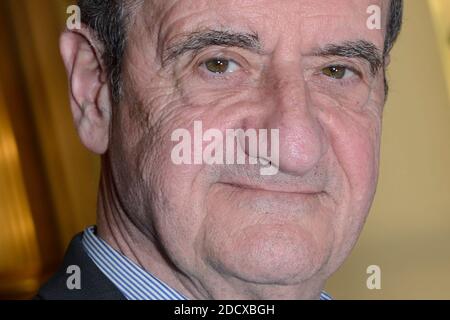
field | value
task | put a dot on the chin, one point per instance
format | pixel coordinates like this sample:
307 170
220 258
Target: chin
273 254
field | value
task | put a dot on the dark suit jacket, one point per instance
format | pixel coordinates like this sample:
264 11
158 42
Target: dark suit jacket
94 284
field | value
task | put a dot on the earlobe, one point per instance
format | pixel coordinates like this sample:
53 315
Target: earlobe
90 97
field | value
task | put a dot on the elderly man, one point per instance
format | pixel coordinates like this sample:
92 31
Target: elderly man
312 71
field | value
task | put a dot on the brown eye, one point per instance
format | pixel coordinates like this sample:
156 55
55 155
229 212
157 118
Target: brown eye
217 65
336 72
221 66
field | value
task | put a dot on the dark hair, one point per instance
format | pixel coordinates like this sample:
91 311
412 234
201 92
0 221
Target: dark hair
394 24
109 20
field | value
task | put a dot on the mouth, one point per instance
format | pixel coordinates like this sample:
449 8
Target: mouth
275 189
272 201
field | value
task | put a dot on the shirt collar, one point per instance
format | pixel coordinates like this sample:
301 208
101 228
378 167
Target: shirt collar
133 281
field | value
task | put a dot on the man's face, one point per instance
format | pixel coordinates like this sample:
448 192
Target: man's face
276 71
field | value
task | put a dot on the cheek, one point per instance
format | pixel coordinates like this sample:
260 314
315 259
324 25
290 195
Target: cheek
354 140
357 152
180 188
354 145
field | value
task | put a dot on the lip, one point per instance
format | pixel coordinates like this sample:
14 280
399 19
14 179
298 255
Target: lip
274 188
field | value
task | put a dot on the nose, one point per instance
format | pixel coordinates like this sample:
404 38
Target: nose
302 140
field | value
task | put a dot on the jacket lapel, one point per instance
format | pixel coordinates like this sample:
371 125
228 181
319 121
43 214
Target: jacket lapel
94 284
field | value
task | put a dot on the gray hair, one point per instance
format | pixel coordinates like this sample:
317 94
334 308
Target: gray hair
109 20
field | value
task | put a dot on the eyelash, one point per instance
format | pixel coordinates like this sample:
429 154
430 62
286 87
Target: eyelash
343 82
219 76
227 76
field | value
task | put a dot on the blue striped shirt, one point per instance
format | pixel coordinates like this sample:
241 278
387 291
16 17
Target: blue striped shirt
134 282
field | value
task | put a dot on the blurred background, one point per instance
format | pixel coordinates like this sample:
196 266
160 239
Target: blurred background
48 181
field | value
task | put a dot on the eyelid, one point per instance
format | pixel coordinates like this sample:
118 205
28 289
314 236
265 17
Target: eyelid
220 53
204 72
203 62
358 66
207 55
353 69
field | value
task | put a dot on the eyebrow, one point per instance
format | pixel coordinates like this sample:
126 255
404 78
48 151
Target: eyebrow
196 41
360 49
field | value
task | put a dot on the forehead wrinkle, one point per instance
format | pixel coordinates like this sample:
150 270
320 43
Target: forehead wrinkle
171 30
173 25
178 18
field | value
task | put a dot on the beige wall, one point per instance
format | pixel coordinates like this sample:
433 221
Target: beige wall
408 231
54 179
440 10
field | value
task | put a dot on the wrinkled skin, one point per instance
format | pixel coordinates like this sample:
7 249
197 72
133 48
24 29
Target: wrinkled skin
224 231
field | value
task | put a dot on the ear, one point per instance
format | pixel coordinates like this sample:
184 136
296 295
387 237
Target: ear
89 91
387 60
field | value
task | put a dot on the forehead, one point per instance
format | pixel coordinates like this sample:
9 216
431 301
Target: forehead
305 22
